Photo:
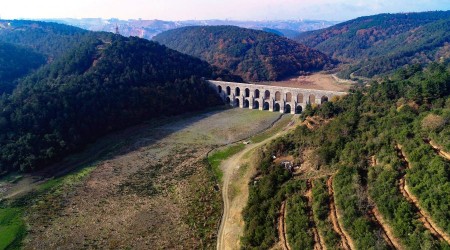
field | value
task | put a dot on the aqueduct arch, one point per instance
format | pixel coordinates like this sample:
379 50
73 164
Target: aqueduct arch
312 99
300 98
278 96
287 109
272 98
289 97
237 91
266 94
256 105
246 104
256 93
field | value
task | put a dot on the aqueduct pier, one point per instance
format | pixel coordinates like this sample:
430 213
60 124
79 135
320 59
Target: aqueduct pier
269 97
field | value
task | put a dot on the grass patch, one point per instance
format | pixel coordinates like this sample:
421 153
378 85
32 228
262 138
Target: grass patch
235 187
217 157
70 180
12 228
284 121
12 225
204 209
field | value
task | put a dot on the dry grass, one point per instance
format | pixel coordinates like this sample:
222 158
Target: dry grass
318 81
154 192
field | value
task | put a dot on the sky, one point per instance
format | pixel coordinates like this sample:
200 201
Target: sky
333 10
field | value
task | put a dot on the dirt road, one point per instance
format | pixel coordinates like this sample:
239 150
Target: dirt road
227 239
282 227
319 242
424 216
438 149
387 231
346 240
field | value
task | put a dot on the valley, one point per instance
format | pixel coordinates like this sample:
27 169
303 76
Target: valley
262 135
238 170
152 175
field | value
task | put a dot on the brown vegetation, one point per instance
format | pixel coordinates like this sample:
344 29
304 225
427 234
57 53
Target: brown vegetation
433 122
155 191
319 81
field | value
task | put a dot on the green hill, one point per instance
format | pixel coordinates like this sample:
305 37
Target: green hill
379 44
254 55
50 39
104 85
377 139
16 62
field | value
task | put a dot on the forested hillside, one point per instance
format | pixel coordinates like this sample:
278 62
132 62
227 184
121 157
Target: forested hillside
380 44
27 45
51 39
253 55
16 62
103 85
378 164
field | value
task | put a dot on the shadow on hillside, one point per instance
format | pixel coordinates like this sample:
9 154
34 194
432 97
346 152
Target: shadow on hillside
122 142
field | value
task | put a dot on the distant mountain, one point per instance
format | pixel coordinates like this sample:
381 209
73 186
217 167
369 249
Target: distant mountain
382 43
254 55
16 62
150 28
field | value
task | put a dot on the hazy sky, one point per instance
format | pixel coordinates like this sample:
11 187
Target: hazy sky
213 9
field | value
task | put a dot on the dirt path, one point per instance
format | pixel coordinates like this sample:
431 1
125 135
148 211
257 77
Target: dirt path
388 234
346 240
438 149
424 217
378 219
227 239
319 242
282 227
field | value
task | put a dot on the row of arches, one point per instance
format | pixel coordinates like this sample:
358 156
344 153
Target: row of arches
265 105
267 94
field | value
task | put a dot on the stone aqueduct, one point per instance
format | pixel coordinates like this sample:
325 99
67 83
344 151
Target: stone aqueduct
269 97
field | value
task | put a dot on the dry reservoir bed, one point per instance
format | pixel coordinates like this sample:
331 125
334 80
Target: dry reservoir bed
153 192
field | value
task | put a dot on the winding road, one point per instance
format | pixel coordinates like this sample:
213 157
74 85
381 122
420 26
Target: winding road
228 167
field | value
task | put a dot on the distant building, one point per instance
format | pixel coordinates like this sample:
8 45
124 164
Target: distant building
117 30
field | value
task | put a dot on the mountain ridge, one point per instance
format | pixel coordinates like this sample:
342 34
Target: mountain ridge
254 55
382 43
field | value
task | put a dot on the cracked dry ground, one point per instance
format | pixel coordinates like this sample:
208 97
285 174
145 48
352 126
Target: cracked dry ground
151 195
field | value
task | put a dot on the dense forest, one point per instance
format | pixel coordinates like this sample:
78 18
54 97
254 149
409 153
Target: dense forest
375 146
27 45
254 55
51 39
103 85
16 62
382 43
